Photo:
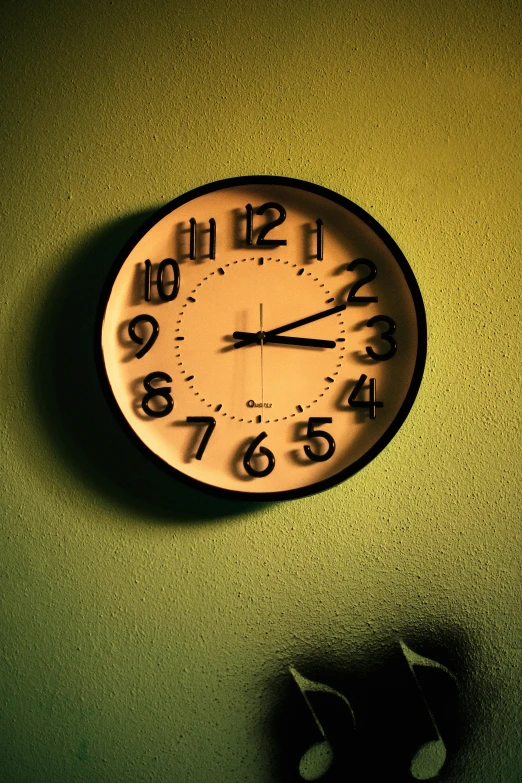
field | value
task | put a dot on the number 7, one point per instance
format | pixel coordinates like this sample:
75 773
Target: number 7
211 423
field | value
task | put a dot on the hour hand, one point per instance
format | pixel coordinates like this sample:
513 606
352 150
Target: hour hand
266 337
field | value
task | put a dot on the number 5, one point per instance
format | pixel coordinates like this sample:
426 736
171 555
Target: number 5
313 433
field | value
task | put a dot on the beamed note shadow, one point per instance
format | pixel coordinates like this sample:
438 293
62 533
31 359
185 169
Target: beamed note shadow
396 714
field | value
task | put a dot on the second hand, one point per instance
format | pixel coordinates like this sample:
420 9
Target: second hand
262 340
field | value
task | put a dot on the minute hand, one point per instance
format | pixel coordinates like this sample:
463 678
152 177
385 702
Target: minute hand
293 325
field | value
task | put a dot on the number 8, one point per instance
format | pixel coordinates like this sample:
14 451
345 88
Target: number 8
162 391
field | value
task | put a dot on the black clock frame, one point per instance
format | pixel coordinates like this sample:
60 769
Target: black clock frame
386 437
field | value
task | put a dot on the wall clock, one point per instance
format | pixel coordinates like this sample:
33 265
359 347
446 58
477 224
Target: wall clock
262 338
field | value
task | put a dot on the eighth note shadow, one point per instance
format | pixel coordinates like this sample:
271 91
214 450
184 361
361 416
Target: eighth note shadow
390 722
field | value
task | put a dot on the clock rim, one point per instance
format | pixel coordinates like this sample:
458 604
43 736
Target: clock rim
388 434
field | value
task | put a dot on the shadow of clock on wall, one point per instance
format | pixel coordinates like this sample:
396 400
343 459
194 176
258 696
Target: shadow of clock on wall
71 403
394 714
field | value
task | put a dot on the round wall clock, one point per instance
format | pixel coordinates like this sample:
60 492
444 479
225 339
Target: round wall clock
262 338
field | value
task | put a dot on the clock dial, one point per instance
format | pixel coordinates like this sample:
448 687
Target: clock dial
262 337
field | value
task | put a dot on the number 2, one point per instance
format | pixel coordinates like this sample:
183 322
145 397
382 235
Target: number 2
352 297
386 335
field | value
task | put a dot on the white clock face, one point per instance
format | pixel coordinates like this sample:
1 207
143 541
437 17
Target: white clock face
262 336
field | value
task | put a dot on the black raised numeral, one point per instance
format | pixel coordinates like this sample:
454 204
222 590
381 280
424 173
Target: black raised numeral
386 335
212 238
313 433
155 391
192 250
211 423
148 280
261 239
161 283
254 472
372 404
249 224
320 239
135 337
352 296
193 238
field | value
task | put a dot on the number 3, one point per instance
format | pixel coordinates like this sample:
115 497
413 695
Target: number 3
386 335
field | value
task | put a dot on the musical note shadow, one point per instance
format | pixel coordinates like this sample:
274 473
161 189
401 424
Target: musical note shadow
430 757
397 719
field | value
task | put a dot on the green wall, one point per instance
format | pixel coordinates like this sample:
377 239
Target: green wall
146 630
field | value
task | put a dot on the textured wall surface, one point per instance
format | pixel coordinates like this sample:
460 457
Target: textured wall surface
147 631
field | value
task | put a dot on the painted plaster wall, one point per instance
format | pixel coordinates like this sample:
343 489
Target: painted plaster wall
146 630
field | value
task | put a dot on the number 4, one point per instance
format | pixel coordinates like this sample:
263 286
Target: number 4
372 404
